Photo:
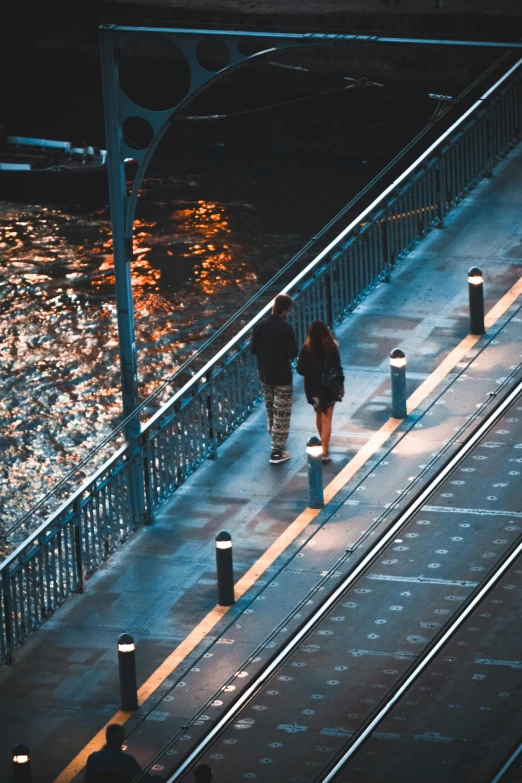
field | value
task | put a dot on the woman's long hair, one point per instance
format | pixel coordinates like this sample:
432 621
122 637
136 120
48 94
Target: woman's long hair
319 339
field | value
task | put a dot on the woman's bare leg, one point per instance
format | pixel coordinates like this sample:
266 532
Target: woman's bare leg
319 422
326 428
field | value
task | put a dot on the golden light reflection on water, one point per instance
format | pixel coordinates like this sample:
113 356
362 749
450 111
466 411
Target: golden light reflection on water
59 365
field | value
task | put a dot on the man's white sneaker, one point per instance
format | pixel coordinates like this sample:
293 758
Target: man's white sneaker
278 455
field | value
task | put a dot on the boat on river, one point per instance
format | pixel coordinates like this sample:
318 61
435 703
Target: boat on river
53 170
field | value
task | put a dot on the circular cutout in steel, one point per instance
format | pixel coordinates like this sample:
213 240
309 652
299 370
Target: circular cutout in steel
153 72
137 133
212 54
250 46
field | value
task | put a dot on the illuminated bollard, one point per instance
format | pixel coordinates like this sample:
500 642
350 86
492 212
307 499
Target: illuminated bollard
314 453
224 568
398 383
21 764
476 301
127 669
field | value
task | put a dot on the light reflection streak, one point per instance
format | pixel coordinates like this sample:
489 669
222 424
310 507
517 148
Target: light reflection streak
59 364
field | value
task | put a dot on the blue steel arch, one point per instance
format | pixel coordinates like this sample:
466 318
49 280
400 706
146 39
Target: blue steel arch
118 108
164 119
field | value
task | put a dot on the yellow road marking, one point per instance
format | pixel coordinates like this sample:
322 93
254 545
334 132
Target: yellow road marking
503 304
291 533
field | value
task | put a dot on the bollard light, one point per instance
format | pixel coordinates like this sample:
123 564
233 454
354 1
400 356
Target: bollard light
224 569
314 452
476 301
127 671
397 358
475 276
21 764
126 647
398 383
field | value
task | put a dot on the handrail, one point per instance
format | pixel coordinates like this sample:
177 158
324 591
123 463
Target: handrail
333 37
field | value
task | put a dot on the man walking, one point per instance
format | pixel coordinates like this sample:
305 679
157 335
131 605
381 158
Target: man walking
274 345
111 764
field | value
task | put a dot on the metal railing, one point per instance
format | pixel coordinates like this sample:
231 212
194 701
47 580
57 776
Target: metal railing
55 560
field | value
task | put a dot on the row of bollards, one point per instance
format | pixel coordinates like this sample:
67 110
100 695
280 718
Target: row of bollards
127 647
127 652
398 358
398 387
224 565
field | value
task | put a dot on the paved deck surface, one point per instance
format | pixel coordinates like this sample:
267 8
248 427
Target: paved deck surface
462 717
343 671
63 687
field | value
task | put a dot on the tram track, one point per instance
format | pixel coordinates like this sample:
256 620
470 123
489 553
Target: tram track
507 772
428 657
434 648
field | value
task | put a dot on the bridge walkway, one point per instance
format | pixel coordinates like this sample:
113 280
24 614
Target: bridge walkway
161 587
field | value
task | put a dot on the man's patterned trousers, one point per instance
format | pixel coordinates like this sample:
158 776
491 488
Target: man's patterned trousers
278 402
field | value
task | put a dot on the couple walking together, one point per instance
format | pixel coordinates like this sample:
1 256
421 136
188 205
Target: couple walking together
275 346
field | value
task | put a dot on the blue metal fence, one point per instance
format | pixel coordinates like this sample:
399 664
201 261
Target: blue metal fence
56 559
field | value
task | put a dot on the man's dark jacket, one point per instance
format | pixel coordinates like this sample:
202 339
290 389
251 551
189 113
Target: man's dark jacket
274 344
111 765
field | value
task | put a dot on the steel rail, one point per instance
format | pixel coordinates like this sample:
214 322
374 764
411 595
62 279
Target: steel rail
507 764
352 577
426 659
333 37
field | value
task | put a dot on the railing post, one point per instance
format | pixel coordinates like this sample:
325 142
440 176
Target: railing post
440 189
329 296
8 614
136 480
210 414
78 545
385 232
146 479
488 171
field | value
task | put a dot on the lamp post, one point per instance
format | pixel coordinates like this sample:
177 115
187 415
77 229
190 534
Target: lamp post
314 453
476 301
398 383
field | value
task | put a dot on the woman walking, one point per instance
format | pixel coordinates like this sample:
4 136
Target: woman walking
320 363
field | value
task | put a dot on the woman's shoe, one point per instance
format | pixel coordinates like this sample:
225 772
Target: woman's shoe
325 458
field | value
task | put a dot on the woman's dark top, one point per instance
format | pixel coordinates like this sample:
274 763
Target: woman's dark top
313 367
